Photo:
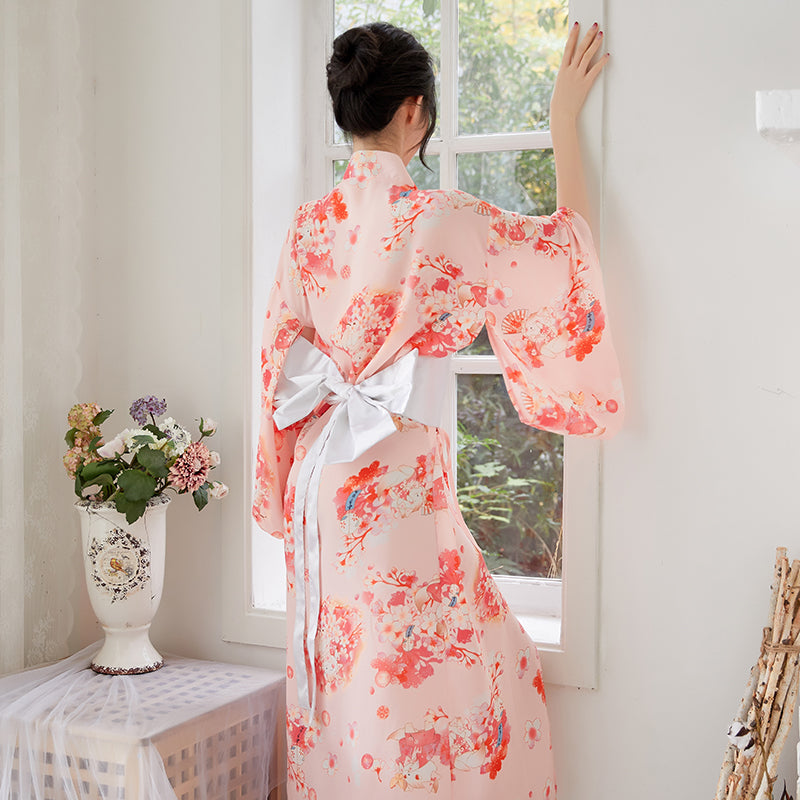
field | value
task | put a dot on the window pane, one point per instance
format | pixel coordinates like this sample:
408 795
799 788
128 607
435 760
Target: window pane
422 18
508 56
510 481
422 177
521 180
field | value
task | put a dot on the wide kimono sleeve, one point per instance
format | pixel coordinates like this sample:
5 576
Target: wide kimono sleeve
547 323
287 315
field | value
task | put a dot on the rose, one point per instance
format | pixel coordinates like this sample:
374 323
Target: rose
215 459
217 490
116 447
208 427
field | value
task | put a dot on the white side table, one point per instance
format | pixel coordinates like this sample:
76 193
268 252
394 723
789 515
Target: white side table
193 729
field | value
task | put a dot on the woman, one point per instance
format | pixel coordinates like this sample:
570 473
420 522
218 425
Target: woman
406 670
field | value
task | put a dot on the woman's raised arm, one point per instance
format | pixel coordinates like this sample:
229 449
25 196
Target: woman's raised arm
578 71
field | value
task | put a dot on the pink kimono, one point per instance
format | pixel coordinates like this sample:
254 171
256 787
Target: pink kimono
406 671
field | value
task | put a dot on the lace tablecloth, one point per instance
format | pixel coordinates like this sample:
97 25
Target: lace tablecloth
194 729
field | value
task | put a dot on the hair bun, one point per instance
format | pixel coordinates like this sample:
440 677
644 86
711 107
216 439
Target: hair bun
356 53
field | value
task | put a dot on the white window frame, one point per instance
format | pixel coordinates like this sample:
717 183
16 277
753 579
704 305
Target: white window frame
570 657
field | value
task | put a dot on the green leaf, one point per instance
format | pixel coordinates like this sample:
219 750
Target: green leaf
137 485
156 431
101 480
90 471
132 509
489 470
93 444
78 485
69 437
100 418
154 461
201 497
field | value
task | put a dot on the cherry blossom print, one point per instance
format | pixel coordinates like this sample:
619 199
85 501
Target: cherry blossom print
329 764
365 325
361 168
565 413
352 237
315 231
422 624
571 327
541 234
369 502
358 505
341 633
490 603
538 684
438 284
413 208
497 294
533 732
352 732
446 744
301 738
523 661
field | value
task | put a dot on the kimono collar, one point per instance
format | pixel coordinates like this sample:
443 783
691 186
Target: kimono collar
387 166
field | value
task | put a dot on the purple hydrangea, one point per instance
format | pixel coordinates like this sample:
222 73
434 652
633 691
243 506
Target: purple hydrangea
147 405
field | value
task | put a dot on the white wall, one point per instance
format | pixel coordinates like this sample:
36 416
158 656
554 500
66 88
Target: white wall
702 272
702 264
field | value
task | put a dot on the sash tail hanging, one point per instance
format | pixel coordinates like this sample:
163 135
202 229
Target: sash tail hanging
362 416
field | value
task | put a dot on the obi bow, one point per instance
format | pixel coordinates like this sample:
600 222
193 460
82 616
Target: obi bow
413 386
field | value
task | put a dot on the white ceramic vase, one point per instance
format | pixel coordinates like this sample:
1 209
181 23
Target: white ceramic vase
124 567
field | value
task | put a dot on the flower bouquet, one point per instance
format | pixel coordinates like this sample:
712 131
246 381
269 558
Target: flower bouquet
142 462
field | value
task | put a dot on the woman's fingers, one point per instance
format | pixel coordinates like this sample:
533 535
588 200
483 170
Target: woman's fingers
591 51
582 53
572 43
584 44
598 67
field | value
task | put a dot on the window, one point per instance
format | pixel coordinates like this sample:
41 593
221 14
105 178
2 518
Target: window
496 64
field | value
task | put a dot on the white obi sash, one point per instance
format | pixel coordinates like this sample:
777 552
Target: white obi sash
413 386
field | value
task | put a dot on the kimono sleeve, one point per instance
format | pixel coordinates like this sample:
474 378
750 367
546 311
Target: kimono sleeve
287 314
547 323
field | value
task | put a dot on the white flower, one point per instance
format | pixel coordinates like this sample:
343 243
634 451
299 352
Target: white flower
218 490
215 459
144 439
208 426
179 437
115 447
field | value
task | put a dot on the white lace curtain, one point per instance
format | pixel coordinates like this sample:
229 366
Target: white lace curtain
40 247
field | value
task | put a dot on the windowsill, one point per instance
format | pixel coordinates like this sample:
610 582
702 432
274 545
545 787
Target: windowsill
545 631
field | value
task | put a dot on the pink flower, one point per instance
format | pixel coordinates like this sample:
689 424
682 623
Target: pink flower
218 490
523 661
190 471
329 764
80 416
73 459
497 294
115 447
533 732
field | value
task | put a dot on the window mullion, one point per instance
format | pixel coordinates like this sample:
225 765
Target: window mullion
449 93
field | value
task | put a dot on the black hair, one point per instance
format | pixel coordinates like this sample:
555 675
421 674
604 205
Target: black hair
374 68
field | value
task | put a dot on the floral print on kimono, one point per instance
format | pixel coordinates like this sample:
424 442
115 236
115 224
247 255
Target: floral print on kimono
425 684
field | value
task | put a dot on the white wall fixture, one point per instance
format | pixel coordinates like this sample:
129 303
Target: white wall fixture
778 118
